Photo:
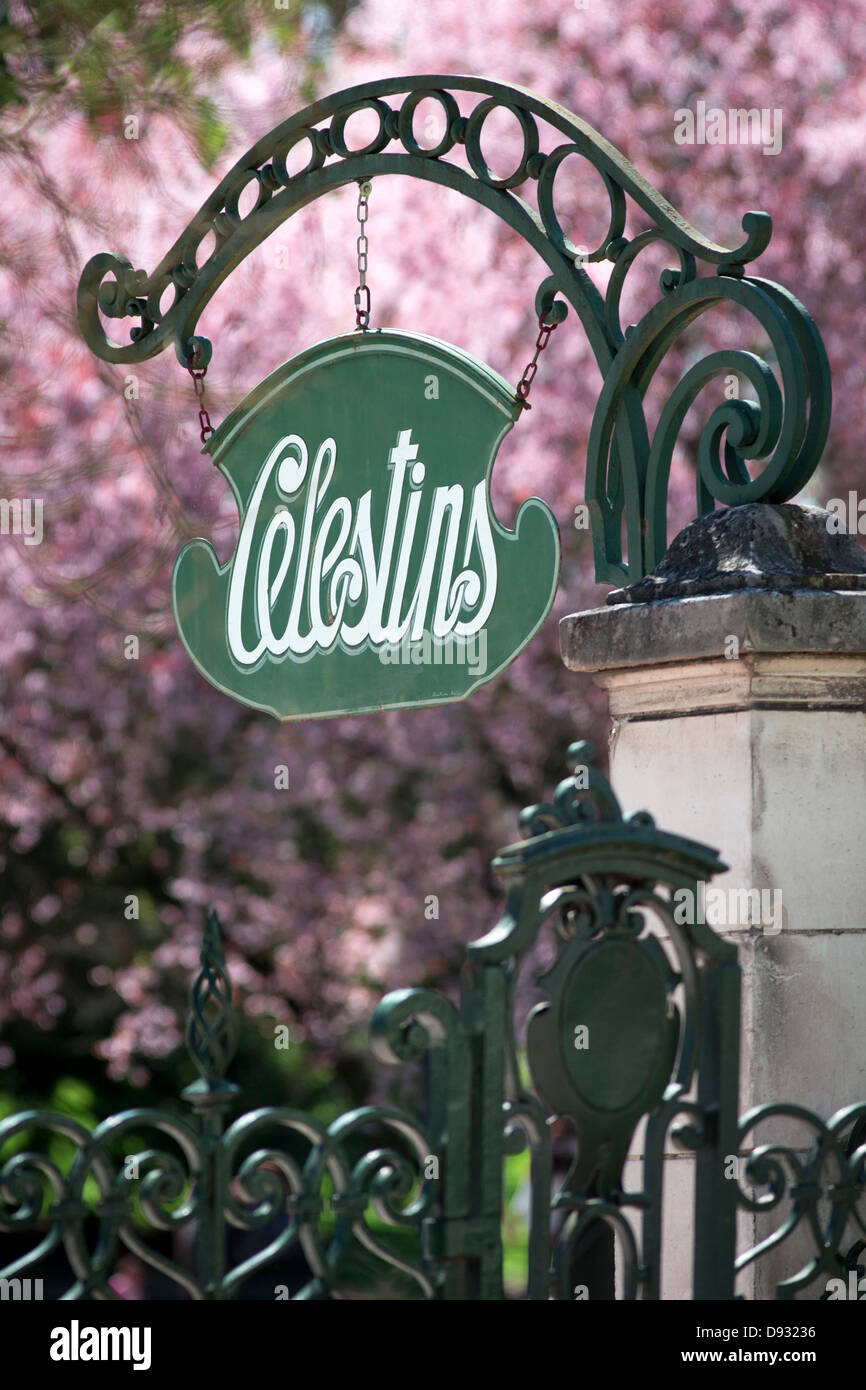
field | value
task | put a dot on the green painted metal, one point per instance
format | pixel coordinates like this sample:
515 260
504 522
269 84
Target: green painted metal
639 1016
779 438
370 572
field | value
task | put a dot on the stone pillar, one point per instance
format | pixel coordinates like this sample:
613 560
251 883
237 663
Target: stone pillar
736 677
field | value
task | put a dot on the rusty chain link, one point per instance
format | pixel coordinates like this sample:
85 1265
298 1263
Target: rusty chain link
524 386
205 426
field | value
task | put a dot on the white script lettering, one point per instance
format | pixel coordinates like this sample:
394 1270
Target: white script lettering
332 561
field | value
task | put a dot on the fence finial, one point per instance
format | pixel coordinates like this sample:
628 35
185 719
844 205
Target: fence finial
212 1026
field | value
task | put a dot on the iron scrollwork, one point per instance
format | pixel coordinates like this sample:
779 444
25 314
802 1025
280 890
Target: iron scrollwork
815 1191
638 1019
627 471
275 1170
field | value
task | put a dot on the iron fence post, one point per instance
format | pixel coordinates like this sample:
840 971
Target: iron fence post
211 1039
716 1189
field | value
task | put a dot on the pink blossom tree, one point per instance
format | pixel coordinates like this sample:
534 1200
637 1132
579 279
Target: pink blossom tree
132 795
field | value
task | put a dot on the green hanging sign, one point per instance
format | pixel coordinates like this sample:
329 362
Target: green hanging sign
370 570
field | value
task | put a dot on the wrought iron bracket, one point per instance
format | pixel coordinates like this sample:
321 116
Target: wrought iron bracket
626 470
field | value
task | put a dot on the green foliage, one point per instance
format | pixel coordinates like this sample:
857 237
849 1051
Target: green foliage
69 1097
515 1226
111 58
211 135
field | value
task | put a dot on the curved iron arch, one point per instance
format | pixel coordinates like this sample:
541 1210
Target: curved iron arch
627 473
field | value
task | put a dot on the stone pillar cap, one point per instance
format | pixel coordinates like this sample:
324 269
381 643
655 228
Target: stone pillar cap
756 546
780 578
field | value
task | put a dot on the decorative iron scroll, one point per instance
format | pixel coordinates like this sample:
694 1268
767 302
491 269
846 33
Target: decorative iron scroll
794 1182
626 470
639 1017
267 1172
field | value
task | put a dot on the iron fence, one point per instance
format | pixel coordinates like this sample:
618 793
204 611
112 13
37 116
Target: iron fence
638 1019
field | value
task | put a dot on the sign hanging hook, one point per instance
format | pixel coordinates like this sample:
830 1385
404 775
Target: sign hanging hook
551 312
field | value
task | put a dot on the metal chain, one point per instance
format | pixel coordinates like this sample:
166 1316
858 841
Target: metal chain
205 425
362 293
525 384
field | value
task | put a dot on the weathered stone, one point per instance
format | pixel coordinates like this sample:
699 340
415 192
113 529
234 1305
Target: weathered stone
737 684
698 628
757 546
